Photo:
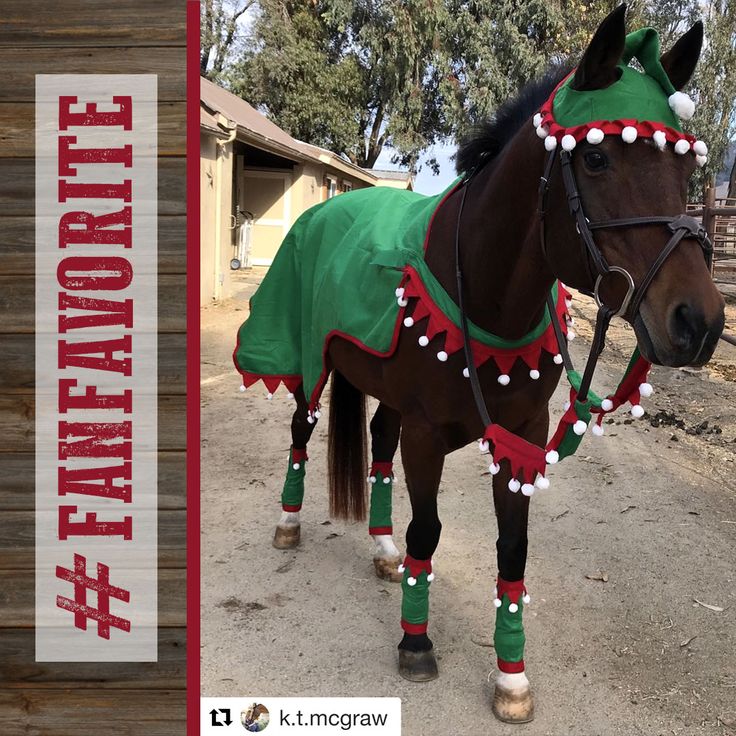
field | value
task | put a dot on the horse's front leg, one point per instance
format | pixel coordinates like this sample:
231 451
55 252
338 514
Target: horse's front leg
422 457
512 698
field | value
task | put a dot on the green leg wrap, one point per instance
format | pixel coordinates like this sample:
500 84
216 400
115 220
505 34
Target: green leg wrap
415 601
293 493
379 520
509 638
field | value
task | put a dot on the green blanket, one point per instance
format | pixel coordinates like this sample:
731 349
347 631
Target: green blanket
336 272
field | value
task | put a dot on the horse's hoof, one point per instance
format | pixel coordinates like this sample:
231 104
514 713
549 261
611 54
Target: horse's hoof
418 666
513 706
387 568
287 537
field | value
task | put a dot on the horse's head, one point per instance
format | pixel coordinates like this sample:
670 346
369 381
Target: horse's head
680 314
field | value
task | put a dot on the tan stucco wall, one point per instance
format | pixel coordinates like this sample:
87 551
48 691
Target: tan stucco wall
215 280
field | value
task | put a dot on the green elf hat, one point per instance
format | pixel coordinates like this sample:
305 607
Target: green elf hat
637 105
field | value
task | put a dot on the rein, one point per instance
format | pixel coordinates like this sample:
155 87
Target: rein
681 226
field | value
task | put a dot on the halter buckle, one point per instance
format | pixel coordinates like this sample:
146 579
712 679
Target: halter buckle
630 292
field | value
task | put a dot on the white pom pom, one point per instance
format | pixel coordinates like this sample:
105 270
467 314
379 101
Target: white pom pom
571 335
290 395
408 321
411 582
700 148
552 457
442 356
542 132
550 143
682 146
526 598
317 413
494 468
387 480
504 379
514 485
371 478
607 405
637 411
557 359
534 374
430 577
660 139
598 430
528 489
565 405
542 483
537 120
401 567
466 373
402 302
269 396
595 136
629 134
497 602
513 607
579 427
399 292
423 341
568 142
241 388
701 161
310 419
646 389
568 302
681 105
296 466
483 446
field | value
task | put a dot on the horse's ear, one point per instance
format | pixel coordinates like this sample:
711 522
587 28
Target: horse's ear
597 69
680 61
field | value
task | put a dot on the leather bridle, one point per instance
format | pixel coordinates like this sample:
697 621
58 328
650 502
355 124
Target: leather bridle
681 226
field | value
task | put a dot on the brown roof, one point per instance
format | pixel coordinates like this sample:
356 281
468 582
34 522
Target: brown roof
255 125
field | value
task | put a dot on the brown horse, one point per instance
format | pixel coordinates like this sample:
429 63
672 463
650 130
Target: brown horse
507 277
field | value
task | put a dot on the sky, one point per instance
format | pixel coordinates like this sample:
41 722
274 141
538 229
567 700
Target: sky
426 182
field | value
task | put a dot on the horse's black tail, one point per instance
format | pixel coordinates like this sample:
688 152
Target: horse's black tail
347 450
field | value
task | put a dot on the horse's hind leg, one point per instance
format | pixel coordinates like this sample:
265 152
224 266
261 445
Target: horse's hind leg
288 530
385 430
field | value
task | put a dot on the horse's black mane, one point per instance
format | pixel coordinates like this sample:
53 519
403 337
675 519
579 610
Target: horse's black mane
486 139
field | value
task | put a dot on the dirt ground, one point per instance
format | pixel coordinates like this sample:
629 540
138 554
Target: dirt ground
632 567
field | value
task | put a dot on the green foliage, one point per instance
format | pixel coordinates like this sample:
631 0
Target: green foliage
356 77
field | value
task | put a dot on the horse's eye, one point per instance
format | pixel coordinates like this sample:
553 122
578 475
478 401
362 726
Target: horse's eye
595 160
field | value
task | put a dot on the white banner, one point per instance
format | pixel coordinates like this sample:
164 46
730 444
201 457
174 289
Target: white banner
301 716
96 368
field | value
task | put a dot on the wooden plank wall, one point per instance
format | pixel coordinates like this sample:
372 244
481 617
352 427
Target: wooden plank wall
88 36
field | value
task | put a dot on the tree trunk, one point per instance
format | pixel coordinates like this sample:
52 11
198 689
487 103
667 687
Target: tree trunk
732 181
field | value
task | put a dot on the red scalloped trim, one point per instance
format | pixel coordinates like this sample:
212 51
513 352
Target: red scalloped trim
629 388
526 459
385 469
514 589
568 418
644 128
417 567
299 456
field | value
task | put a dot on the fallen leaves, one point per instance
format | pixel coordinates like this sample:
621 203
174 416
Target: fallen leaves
600 576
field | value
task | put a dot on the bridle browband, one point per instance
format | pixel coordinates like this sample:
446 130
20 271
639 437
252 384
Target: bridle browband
681 227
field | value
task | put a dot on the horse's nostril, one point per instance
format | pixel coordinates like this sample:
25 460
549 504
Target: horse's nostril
687 325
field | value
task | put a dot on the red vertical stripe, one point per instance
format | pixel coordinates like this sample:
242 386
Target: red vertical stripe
193 545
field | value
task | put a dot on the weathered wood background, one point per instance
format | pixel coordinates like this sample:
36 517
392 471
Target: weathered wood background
88 36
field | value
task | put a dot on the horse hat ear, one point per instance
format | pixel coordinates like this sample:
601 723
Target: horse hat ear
597 69
680 61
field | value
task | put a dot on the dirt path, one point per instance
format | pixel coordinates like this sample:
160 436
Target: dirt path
650 507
